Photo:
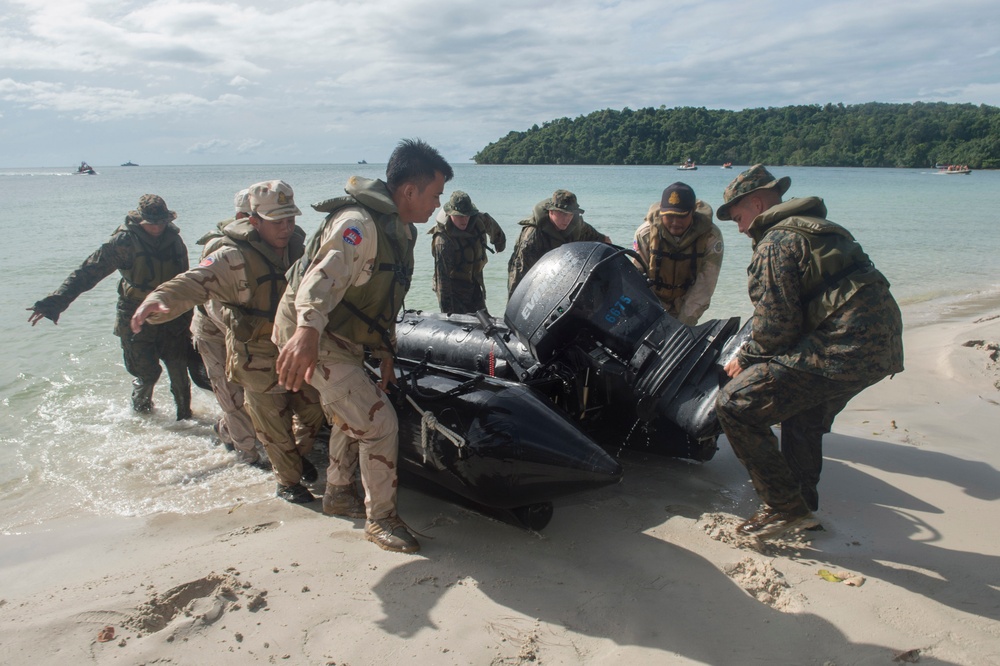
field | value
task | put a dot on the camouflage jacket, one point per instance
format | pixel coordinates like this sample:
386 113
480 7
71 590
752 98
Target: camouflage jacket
859 338
684 271
131 251
539 236
459 258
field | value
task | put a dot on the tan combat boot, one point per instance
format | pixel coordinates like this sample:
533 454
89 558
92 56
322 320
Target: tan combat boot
343 501
391 534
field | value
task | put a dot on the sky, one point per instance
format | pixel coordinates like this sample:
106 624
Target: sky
337 81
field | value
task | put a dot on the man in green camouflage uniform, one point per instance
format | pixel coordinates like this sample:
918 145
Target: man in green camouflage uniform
246 275
343 297
208 332
825 327
682 250
459 247
554 222
147 250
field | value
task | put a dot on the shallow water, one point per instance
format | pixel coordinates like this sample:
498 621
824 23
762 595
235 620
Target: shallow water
71 444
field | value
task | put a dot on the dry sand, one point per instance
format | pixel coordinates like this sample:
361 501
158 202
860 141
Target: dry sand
647 572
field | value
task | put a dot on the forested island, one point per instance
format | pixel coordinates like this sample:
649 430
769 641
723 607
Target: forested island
858 135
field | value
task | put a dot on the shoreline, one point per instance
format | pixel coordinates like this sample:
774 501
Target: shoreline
646 571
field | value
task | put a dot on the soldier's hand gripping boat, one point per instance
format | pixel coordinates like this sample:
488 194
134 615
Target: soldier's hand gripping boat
586 362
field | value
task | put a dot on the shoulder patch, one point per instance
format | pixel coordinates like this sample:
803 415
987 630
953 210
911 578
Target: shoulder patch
352 236
207 261
717 248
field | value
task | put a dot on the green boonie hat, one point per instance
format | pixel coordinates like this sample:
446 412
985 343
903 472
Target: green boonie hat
565 201
460 203
153 209
754 178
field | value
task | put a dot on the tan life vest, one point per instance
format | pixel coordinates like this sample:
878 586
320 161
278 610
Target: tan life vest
467 247
674 264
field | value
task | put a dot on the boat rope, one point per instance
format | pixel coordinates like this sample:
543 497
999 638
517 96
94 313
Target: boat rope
429 423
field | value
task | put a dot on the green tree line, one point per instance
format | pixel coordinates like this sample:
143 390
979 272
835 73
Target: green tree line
858 135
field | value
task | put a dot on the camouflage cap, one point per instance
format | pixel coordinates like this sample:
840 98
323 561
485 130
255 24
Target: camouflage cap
565 201
273 200
460 203
153 209
241 202
754 178
677 199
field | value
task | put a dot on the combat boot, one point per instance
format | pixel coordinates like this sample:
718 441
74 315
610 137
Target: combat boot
142 396
297 494
391 534
343 501
183 406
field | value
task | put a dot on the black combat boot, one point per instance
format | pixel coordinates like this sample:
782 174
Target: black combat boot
142 396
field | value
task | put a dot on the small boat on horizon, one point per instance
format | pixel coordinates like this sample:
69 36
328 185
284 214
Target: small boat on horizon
727 165
85 170
362 162
955 170
130 163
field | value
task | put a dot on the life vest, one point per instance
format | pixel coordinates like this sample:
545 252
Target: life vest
154 260
838 267
548 236
266 273
367 313
674 263
467 248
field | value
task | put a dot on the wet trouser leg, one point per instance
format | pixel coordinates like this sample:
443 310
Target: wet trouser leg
285 441
235 426
804 404
174 347
363 433
143 363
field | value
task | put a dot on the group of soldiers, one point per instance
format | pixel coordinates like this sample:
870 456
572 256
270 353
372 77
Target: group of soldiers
283 325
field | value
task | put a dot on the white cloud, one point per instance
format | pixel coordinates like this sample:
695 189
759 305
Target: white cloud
463 74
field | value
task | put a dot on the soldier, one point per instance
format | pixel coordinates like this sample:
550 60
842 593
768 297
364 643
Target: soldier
234 428
824 327
246 275
682 250
343 297
147 250
554 222
459 248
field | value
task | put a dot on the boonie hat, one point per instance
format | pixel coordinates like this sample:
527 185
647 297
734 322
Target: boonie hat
460 203
565 201
273 200
153 209
677 199
754 178
241 202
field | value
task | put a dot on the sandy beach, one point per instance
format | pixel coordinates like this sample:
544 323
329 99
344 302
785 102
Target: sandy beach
646 572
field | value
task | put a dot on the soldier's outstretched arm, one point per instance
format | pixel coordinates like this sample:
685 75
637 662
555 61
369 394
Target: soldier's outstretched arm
147 308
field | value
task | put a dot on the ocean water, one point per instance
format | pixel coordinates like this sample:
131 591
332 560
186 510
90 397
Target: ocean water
71 445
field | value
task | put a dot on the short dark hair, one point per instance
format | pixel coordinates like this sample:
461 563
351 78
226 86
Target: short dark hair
415 161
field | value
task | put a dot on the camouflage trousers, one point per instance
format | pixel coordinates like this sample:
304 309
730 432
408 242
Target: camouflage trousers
805 405
286 424
235 426
461 297
170 343
364 433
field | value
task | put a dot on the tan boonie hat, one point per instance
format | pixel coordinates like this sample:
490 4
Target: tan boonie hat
273 200
153 209
460 203
241 202
754 178
565 201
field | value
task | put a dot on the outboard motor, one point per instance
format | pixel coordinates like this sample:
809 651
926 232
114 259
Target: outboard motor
591 297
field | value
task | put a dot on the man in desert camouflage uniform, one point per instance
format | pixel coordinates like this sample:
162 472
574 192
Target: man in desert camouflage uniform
246 275
682 250
208 332
459 248
825 327
343 297
554 222
147 250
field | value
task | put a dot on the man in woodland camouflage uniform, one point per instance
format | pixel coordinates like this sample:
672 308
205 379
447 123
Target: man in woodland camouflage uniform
554 222
147 250
346 299
459 248
246 275
825 327
682 250
208 332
